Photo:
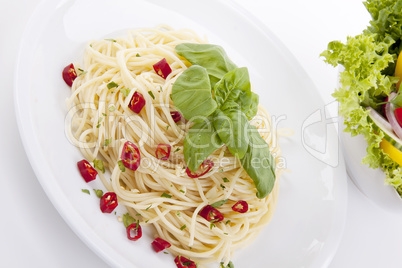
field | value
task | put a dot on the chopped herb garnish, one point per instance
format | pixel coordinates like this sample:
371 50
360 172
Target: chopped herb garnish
98 125
166 252
85 191
82 71
219 203
99 165
112 85
225 233
226 179
223 186
187 263
151 94
107 142
182 191
112 108
166 195
110 39
178 214
221 170
178 149
230 265
183 227
212 226
227 222
138 214
167 127
104 114
138 55
128 220
138 224
146 221
121 166
125 91
99 193
148 207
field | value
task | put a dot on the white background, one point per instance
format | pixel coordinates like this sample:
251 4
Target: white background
32 233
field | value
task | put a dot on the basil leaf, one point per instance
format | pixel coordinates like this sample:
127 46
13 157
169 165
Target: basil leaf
191 93
200 141
231 86
212 57
259 163
249 104
232 128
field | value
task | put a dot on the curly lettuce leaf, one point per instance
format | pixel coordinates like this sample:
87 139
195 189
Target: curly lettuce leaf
368 62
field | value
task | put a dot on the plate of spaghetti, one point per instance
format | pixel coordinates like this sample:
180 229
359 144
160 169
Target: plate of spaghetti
174 136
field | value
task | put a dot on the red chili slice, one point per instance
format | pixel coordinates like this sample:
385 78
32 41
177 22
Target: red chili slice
134 231
86 170
108 202
159 244
211 214
137 102
162 68
176 116
163 151
69 74
241 206
182 262
202 170
130 156
398 115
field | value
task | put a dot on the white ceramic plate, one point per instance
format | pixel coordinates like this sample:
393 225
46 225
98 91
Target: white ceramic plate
309 220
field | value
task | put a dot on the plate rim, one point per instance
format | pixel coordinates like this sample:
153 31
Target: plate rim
87 238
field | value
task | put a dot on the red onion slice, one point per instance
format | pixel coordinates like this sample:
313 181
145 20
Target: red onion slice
383 121
389 111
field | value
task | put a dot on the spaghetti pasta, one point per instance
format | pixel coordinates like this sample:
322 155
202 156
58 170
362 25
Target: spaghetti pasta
159 190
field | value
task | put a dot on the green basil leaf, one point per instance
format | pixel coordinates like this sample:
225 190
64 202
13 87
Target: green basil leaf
212 57
259 163
231 86
232 128
249 104
192 95
200 141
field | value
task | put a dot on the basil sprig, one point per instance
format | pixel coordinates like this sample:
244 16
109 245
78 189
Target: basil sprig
216 95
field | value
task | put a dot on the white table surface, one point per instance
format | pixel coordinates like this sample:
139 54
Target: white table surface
33 234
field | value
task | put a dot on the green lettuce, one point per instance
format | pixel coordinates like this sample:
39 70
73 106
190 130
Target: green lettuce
366 78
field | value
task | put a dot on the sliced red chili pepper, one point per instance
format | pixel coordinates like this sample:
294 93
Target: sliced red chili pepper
69 74
202 170
241 206
163 151
176 116
162 68
137 102
134 231
130 156
182 262
211 214
86 170
159 244
108 202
